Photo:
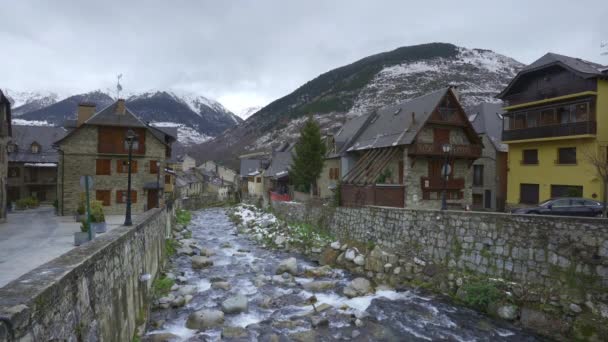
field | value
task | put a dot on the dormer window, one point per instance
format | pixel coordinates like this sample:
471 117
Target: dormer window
35 147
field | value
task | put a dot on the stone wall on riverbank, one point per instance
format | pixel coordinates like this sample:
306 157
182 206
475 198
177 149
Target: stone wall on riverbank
554 270
93 292
199 201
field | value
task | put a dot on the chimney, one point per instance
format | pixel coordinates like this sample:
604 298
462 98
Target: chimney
120 107
413 118
85 111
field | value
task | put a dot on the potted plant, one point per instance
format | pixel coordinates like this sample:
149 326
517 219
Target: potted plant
98 219
83 235
79 215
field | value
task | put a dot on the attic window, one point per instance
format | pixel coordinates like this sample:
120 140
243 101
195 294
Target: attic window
35 148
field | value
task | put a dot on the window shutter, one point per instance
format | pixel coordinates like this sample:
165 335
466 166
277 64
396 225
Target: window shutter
119 196
153 166
133 196
167 179
133 166
103 166
103 196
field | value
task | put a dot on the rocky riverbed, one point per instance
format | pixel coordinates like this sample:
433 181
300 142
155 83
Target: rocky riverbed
228 286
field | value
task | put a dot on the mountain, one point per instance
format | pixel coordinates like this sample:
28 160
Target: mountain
198 119
28 101
247 112
363 86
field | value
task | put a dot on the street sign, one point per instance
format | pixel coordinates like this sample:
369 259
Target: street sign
83 182
446 170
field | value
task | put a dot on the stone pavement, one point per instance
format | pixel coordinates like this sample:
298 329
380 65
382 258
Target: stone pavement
33 237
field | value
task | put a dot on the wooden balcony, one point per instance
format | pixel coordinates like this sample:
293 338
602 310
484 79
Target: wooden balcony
437 183
550 131
458 151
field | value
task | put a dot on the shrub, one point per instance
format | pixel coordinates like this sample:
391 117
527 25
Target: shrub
97 214
183 217
170 247
84 226
28 202
161 286
480 294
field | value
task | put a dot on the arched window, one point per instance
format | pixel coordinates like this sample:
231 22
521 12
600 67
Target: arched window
35 147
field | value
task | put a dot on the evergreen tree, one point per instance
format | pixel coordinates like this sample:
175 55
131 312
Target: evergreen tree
308 157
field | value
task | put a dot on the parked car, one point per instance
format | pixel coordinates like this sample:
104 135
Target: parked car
565 206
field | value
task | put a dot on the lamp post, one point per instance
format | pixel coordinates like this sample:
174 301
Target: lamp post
130 141
158 183
445 172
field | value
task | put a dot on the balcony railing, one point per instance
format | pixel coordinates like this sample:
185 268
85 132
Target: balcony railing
437 183
558 130
458 151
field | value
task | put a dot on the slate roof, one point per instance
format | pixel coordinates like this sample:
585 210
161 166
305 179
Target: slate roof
250 165
486 119
392 125
348 134
279 166
109 117
579 66
45 136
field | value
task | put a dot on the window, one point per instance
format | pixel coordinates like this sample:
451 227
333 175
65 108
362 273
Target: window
566 191
561 203
478 175
519 121
103 196
121 196
13 172
566 155
167 179
547 117
35 148
581 112
112 140
477 200
122 166
530 157
488 199
528 193
103 167
334 173
532 119
563 114
154 166
258 179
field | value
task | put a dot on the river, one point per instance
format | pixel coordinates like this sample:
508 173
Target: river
279 309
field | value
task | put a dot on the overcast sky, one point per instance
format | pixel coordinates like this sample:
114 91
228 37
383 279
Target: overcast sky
248 53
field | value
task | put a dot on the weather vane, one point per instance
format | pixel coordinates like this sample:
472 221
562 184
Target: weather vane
118 86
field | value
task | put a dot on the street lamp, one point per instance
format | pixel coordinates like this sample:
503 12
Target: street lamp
130 142
445 172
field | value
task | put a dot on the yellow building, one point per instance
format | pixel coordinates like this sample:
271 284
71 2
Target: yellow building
556 127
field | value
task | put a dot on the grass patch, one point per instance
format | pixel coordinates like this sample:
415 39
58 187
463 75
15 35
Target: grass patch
170 247
479 294
162 286
183 217
308 234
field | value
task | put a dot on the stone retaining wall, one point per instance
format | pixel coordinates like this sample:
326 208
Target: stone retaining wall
199 201
554 268
93 292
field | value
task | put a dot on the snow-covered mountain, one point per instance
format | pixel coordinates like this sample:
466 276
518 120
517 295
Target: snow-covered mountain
198 118
365 85
27 101
249 111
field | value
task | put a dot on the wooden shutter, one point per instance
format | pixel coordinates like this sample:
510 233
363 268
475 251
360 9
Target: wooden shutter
119 196
441 136
133 167
401 171
133 196
120 166
103 167
103 196
153 166
167 179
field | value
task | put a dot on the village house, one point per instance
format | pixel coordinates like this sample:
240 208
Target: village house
96 147
219 179
183 163
276 176
556 123
250 176
397 158
189 184
32 163
5 136
490 170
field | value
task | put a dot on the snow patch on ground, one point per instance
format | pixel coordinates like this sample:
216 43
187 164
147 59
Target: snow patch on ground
185 135
23 122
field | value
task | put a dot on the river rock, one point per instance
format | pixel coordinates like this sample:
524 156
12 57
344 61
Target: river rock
223 285
204 319
335 245
187 290
178 302
160 337
207 252
188 298
280 240
575 308
201 262
235 304
234 332
508 312
359 260
357 287
319 286
304 336
358 323
319 321
350 254
317 272
185 251
289 265
226 245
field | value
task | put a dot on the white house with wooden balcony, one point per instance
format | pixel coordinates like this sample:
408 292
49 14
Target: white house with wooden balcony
396 156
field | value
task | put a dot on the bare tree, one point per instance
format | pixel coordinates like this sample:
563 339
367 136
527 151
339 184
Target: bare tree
599 160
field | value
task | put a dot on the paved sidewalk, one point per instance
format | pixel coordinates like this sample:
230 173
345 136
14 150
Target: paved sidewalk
33 237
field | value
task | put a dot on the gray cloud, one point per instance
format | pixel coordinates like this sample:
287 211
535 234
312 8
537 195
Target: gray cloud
247 53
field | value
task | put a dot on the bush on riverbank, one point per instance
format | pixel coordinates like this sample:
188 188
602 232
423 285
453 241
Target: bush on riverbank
162 286
183 217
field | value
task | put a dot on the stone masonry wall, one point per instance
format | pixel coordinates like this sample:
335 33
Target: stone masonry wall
91 293
555 268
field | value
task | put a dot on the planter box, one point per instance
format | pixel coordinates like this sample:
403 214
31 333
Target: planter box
99 227
80 238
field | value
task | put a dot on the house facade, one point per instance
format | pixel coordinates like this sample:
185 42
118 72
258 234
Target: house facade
397 157
32 163
5 137
489 172
556 124
96 147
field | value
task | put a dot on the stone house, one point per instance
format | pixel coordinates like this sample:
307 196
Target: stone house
276 176
184 163
32 163
189 184
252 165
220 171
5 137
97 147
489 172
397 158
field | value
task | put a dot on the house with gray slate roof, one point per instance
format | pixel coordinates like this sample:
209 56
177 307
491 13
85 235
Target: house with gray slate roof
397 156
96 147
32 163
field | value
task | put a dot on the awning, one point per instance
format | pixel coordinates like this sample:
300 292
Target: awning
370 165
153 186
40 164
